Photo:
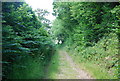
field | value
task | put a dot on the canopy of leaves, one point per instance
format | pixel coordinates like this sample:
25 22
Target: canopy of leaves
82 25
23 35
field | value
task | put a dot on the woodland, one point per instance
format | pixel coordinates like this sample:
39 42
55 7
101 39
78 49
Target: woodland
89 32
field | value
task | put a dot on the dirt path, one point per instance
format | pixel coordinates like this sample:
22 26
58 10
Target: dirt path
67 69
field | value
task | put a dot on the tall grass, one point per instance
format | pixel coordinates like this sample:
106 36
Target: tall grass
31 68
53 66
97 72
101 60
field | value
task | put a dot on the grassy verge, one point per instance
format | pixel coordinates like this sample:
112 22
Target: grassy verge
31 68
53 66
94 70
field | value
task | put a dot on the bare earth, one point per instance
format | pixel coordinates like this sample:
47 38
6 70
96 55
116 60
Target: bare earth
68 69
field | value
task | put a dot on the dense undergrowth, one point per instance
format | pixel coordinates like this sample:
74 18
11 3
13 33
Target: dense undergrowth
101 60
53 66
26 46
91 33
27 68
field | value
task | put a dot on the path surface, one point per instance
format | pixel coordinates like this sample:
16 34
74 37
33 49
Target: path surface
67 69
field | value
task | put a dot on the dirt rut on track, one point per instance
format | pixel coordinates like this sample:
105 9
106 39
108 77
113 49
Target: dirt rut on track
68 69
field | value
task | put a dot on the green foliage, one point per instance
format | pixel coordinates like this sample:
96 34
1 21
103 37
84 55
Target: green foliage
24 36
89 19
28 68
91 29
100 60
53 67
